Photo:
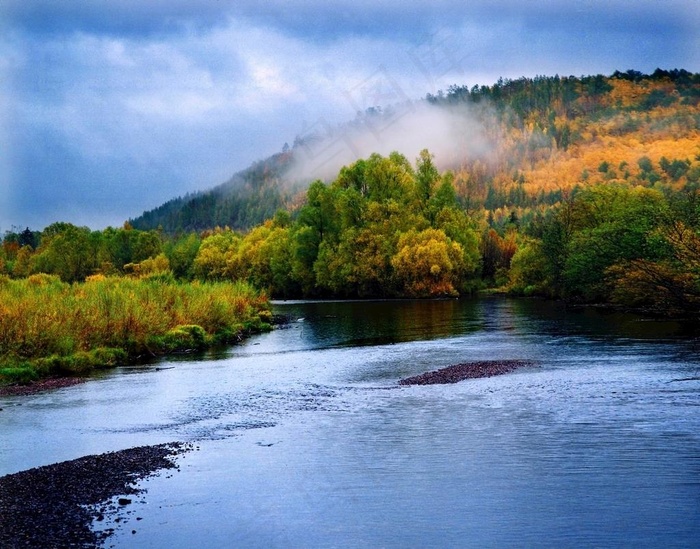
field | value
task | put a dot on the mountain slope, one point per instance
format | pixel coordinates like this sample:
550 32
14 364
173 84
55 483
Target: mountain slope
518 143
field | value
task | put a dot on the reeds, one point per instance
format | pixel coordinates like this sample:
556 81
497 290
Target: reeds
48 327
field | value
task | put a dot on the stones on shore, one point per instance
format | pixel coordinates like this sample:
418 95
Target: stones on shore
55 505
40 386
467 370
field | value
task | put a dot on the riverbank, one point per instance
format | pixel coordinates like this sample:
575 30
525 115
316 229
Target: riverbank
40 386
49 328
56 505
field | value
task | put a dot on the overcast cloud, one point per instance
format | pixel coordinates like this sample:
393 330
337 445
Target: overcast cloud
111 108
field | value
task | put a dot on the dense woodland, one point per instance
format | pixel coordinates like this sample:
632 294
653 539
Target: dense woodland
589 192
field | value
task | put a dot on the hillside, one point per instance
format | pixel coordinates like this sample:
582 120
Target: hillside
586 189
538 138
248 198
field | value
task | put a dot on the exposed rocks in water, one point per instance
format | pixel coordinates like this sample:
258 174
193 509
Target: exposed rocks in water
467 370
55 505
282 321
40 386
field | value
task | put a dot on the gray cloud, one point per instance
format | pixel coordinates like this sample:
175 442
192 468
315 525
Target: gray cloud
109 108
326 21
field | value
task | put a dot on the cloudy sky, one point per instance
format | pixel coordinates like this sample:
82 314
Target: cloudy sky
109 108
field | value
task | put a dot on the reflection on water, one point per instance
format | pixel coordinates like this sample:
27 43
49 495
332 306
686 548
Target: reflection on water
349 323
307 441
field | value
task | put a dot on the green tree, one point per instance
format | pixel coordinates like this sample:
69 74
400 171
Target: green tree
528 273
305 249
146 244
427 177
460 228
444 198
335 268
645 164
618 226
389 178
67 251
181 253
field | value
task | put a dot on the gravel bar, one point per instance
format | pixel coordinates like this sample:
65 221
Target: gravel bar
54 506
41 386
467 370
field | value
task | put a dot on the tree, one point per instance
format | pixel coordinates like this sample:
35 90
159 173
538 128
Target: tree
67 251
496 253
28 238
389 178
181 253
427 177
428 264
444 198
667 283
528 270
146 244
265 260
371 272
215 256
460 228
618 226
320 213
22 265
305 249
157 265
336 268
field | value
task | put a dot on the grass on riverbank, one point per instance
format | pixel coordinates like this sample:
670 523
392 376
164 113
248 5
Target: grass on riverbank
48 327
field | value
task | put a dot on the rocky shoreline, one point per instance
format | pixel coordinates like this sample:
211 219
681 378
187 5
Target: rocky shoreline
35 387
467 370
54 506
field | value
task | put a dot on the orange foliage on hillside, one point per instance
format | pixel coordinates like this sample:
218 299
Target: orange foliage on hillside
591 138
581 164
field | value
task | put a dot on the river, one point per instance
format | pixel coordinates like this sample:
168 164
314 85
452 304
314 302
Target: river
305 440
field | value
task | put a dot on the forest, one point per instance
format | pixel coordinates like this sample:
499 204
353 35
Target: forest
588 192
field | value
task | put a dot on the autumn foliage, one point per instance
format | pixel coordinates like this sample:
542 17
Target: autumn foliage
587 191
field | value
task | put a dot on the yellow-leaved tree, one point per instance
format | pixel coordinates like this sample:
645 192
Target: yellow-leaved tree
428 263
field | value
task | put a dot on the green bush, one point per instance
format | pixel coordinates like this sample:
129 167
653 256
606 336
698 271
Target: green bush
18 374
181 338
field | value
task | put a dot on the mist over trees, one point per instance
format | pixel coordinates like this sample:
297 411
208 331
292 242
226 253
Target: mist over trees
578 188
516 143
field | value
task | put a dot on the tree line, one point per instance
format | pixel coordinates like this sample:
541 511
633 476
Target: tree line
529 120
387 228
590 196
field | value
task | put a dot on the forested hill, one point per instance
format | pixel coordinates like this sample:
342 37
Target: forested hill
248 198
540 138
586 189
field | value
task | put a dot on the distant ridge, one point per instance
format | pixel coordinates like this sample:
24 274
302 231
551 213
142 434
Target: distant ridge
541 135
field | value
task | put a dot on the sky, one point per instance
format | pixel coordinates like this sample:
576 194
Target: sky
110 108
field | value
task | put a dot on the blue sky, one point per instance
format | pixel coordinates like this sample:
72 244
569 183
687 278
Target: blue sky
109 108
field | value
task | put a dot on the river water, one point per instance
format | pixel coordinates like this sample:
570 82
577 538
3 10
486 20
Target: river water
305 440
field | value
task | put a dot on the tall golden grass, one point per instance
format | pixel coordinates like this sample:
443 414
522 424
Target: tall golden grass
50 327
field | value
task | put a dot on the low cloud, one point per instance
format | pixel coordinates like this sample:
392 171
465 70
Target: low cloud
452 135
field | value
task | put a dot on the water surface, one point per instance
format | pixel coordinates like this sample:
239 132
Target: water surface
306 441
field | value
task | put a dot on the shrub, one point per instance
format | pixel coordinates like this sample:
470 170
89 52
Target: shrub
59 328
181 338
18 374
